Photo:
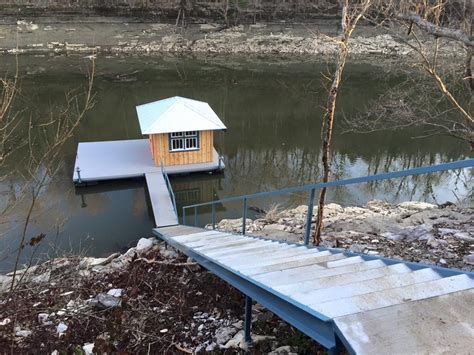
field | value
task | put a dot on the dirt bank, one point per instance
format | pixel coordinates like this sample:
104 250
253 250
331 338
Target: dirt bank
120 36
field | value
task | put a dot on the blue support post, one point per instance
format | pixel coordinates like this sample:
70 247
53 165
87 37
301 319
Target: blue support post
244 216
195 217
336 350
309 216
213 216
79 180
248 320
184 216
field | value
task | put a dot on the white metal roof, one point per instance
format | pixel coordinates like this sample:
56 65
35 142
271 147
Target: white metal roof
177 114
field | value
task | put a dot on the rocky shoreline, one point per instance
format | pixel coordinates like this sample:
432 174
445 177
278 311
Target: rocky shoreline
120 37
152 298
442 235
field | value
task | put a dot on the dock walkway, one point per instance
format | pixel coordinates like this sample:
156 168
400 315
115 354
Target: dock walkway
162 205
373 305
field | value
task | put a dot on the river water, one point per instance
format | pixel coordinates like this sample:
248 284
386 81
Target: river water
272 109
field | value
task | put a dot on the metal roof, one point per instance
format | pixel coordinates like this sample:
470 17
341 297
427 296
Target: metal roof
177 114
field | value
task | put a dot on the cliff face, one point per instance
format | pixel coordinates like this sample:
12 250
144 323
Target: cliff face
231 11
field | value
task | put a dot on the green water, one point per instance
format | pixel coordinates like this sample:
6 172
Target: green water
272 109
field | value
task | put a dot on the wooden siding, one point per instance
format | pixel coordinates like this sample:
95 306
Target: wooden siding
159 144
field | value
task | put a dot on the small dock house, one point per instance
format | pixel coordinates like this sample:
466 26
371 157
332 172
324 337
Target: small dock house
180 130
180 137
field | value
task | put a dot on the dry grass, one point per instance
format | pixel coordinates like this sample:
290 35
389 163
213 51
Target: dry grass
273 213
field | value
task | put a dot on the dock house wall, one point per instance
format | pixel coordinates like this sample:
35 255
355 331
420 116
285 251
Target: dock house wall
160 147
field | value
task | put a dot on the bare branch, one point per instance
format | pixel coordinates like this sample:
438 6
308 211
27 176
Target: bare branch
436 30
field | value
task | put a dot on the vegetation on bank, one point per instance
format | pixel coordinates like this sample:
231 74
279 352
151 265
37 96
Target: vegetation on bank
228 11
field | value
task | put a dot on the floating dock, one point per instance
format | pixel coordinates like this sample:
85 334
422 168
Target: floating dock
371 304
125 159
180 141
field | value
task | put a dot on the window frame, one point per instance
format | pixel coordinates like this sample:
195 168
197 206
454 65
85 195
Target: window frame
183 136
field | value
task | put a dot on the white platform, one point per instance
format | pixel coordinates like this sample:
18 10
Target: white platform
125 159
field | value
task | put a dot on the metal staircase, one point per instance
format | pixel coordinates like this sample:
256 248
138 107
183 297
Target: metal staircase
371 304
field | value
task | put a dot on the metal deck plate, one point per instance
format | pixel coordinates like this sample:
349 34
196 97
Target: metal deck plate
438 325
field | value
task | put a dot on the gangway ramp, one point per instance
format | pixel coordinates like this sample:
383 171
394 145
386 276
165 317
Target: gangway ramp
161 200
371 304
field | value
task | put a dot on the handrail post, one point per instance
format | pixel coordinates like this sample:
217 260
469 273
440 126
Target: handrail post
169 188
244 216
184 215
195 216
79 180
309 216
213 216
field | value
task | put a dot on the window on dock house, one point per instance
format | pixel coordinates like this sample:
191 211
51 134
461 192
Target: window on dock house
182 141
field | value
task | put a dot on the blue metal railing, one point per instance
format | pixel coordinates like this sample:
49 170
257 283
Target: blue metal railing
311 189
170 188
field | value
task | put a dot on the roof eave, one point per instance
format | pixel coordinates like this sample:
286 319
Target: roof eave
171 131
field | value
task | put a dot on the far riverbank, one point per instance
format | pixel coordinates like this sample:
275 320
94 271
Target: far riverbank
123 36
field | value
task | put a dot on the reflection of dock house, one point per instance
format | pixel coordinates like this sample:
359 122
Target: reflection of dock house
199 187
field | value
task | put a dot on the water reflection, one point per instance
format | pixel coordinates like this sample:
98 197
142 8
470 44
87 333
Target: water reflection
272 111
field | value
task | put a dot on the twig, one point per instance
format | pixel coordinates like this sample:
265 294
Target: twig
187 351
153 261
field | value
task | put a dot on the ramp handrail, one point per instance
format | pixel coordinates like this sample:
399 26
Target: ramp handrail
170 188
311 188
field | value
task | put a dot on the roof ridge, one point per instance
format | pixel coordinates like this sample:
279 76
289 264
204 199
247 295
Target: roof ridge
200 113
154 102
164 112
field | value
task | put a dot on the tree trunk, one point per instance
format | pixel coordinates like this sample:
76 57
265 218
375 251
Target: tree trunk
469 50
225 12
327 129
348 23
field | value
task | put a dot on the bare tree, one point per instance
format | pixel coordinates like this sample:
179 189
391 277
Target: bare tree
9 122
352 12
228 8
43 142
185 7
445 106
